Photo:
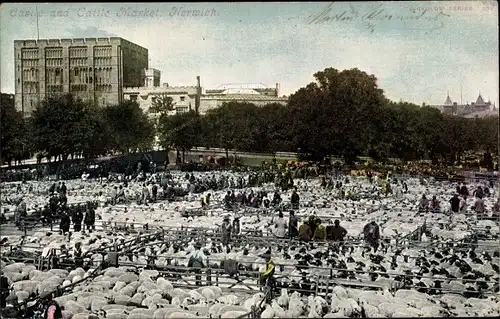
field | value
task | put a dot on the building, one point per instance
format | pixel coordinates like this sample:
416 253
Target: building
187 98
95 69
257 94
184 98
479 108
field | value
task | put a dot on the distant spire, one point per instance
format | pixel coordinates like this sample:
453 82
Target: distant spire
448 100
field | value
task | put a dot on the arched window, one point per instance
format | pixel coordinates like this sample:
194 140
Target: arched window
90 80
100 80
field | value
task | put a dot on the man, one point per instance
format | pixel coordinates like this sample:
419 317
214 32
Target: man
90 218
64 223
423 204
305 232
267 277
295 199
371 233
338 232
236 226
227 200
464 191
455 203
320 231
154 191
434 206
77 255
463 205
77 219
276 199
293 222
226 232
145 194
4 290
496 207
479 207
478 192
197 260
63 188
280 226
120 198
114 195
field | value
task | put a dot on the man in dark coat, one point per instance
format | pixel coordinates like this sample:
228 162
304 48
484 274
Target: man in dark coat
371 233
293 230
338 232
295 200
64 223
77 219
90 218
455 203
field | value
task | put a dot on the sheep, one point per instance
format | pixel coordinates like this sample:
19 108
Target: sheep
229 300
233 314
268 312
283 299
84 316
141 313
208 294
74 307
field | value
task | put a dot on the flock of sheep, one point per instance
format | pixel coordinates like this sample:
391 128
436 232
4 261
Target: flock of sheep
126 292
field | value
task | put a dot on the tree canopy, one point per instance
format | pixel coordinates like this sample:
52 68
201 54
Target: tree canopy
342 113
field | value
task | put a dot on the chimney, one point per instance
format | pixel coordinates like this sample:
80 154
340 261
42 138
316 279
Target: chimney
198 95
277 89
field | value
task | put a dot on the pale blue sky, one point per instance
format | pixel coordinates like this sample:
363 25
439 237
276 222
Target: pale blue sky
415 60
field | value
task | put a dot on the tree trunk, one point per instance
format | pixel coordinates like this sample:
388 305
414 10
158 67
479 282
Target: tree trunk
183 156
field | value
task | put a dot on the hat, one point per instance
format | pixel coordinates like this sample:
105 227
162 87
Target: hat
226 218
197 245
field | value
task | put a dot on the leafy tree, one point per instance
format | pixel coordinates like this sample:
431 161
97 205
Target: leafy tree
236 126
13 135
341 106
59 126
162 104
128 127
181 131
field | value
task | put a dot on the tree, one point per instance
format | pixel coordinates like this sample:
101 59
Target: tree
181 131
13 135
60 126
236 126
333 115
128 127
162 104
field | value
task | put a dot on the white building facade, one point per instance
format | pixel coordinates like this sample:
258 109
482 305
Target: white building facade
186 98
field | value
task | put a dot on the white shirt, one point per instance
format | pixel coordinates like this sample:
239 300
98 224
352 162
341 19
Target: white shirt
280 229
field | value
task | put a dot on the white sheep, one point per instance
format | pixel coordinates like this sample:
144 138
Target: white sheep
181 314
283 299
208 294
229 300
268 312
233 314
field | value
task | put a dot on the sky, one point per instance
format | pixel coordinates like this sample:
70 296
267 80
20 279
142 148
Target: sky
418 50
